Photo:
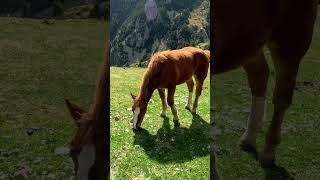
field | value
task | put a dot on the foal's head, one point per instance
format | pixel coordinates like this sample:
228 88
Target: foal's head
82 150
139 109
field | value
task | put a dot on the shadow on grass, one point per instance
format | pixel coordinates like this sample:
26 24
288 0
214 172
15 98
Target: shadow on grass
277 173
274 172
177 144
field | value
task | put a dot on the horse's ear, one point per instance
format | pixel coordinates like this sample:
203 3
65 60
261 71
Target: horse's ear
133 96
75 111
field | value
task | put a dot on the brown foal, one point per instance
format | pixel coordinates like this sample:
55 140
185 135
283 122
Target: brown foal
89 149
167 69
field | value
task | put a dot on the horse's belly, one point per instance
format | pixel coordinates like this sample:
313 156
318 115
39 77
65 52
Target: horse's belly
184 79
173 80
175 74
238 34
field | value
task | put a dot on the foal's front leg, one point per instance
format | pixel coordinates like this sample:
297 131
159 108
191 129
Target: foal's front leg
163 101
170 100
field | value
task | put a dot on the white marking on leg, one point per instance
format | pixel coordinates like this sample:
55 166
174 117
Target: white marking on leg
175 113
134 118
163 112
86 160
189 100
164 104
255 119
195 104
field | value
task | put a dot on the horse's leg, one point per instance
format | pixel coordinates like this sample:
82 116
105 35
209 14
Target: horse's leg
200 76
190 85
170 100
163 101
257 72
286 68
287 50
199 84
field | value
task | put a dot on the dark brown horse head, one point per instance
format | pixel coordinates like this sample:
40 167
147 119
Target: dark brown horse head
139 109
82 149
88 147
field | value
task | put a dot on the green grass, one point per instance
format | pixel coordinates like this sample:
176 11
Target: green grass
299 152
40 66
159 151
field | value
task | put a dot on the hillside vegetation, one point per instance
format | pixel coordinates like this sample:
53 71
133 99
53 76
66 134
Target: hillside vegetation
178 24
40 66
79 9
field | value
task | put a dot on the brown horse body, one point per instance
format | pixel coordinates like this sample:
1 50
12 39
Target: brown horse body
89 148
167 69
240 29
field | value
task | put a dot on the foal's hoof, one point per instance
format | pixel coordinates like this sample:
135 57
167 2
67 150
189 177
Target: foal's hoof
248 148
138 129
176 124
267 161
163 114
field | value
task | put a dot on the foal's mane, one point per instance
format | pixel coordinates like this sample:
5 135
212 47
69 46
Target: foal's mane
152 70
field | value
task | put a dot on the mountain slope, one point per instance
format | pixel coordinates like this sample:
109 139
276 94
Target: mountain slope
178 24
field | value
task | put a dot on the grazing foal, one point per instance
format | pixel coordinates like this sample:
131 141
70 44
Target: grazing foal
167 69
240 30
89 149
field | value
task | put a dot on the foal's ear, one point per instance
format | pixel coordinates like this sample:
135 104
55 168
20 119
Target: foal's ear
133 96
75 111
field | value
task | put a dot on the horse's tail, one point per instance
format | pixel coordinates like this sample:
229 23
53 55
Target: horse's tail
207 53
204 55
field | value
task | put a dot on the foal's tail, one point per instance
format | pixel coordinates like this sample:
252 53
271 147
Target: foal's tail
201 62
207 53
204 55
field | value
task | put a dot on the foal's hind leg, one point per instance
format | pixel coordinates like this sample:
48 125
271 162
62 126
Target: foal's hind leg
200 75
286 72
257 72
199 84
163 101
190 85
170 100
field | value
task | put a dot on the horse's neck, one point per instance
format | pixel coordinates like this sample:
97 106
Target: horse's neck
147 88
145 93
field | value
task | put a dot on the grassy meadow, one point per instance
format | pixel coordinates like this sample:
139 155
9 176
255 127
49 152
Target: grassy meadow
159 151
298 156
40 66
